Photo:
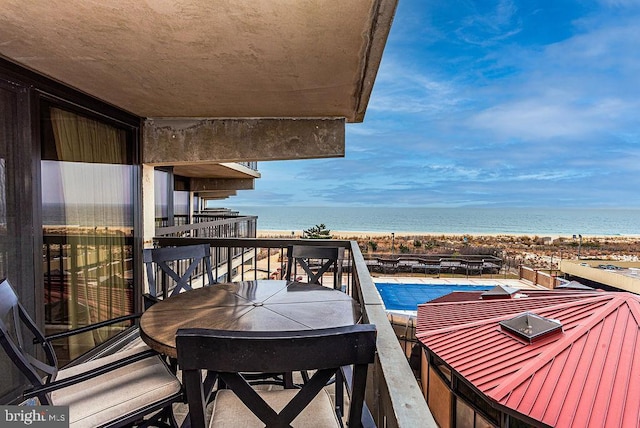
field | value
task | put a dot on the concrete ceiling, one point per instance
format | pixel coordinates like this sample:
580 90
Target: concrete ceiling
206 58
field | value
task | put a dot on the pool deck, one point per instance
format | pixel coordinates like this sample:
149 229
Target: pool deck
515 283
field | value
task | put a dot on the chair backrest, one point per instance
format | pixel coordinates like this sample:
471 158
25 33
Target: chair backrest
13 318
227 354
314 261
176 265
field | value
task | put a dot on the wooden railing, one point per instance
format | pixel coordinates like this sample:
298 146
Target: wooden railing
393 394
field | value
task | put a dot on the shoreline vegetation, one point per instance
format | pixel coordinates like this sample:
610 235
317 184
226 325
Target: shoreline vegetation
535 251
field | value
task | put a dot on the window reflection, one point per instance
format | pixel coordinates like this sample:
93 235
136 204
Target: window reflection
88 213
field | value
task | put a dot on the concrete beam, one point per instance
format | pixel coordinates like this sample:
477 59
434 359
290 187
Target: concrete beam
217 194
206 184
179 141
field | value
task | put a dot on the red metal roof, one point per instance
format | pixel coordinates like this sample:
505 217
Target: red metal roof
586 376
465 309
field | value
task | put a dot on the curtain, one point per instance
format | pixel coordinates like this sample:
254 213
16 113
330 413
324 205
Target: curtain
95 189
80 139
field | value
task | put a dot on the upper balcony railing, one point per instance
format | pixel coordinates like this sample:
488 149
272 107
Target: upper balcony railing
393 394
250 165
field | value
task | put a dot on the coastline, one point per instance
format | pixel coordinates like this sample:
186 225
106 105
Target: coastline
423 221
347 234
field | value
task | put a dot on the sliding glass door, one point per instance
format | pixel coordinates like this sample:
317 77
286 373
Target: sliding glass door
88 195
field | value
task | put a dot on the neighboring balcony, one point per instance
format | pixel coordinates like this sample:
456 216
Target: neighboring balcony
222 224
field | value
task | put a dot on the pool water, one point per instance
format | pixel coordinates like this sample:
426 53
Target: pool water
407 297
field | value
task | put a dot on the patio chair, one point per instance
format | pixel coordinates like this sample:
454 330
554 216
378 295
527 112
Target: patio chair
314 261
114 390
226 354
170 269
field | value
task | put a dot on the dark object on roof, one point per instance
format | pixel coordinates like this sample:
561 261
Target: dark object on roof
574 285
531 327
500 292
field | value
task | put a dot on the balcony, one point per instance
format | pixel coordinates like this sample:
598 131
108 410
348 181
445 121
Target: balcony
393 394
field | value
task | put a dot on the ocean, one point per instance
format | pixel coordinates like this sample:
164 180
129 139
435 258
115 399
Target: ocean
87 215
521 221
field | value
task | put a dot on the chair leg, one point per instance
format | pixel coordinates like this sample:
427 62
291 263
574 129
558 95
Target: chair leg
288 380
172 419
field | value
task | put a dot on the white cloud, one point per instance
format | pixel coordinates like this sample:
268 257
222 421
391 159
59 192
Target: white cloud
492 26
543 118
404 89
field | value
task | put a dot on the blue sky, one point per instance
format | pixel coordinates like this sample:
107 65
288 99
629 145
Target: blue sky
488 104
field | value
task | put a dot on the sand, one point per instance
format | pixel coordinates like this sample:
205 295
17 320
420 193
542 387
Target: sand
343 234
536 251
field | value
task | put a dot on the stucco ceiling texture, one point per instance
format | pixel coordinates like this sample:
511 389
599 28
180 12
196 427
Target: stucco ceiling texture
204 58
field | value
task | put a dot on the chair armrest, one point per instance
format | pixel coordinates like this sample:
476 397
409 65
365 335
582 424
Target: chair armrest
90 327
81 377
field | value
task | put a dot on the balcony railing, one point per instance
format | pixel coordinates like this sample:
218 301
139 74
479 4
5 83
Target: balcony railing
199 217
213 225
393 394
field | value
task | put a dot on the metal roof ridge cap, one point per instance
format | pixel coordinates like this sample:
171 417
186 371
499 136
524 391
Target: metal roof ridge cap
633 308
559 345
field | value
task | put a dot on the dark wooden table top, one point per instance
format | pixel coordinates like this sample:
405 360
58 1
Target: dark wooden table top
262 305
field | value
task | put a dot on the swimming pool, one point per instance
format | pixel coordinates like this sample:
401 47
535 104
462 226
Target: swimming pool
407 297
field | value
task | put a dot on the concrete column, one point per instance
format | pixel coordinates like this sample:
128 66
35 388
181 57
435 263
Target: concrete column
148 206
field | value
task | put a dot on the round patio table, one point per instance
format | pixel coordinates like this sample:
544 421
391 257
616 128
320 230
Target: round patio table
262 305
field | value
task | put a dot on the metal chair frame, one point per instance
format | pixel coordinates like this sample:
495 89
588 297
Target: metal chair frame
326 351
163 258
302 255
13 342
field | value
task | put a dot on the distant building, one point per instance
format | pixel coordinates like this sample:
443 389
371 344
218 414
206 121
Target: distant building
608 275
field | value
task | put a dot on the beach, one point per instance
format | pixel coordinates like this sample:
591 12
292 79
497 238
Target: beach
536 251
357 235
347 234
